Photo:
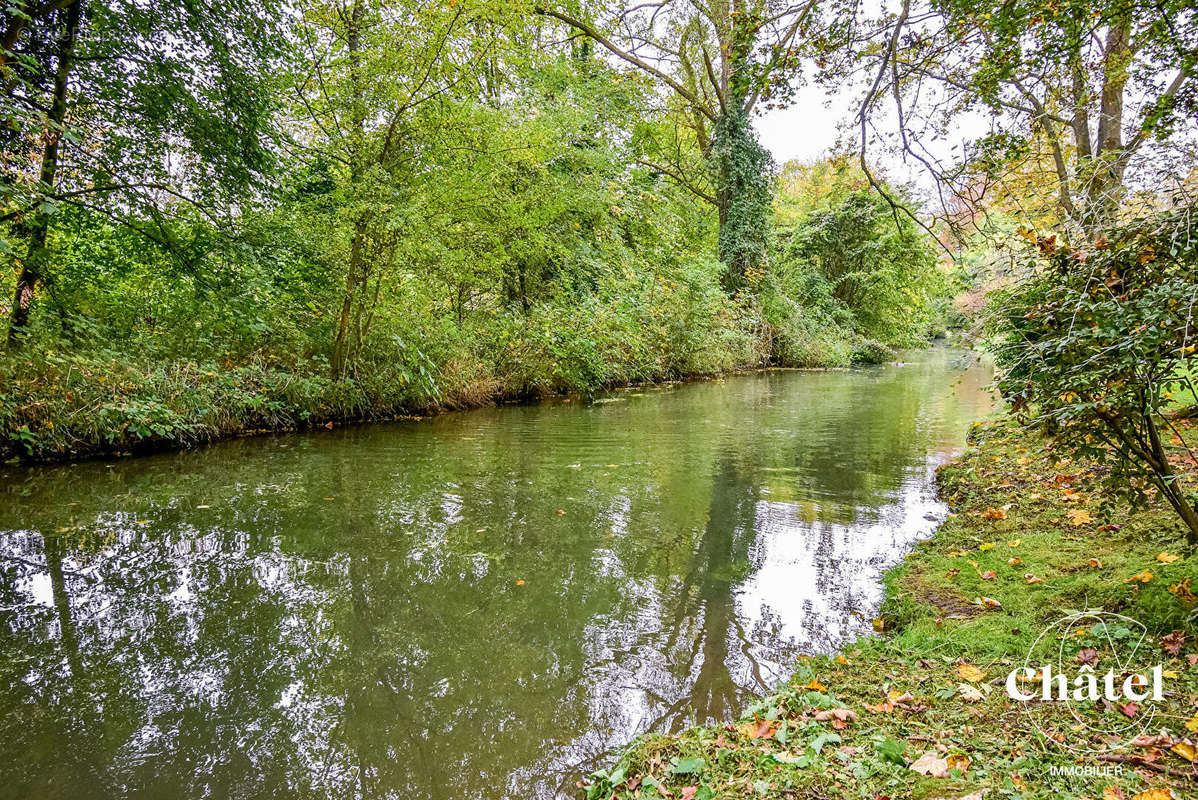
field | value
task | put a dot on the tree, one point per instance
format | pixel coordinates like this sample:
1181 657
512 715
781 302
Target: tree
1081 89
132 110
719 58
1097 341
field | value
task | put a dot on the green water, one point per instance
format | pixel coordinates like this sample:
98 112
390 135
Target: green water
339 615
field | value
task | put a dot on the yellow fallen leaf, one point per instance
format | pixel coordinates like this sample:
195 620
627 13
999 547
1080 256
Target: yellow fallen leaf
1186 751
1154 794
879 624
1192 724
1094 563
1143 577
840 659
958 761
520 582
1013 561
970 673
1079 516
1166 558
1014 543
815 686
1029 579
994 513
986 546
987 602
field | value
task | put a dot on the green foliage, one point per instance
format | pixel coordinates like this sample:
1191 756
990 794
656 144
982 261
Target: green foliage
1096 342
844 253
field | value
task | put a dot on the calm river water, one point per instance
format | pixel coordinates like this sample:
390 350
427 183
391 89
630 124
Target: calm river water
479 605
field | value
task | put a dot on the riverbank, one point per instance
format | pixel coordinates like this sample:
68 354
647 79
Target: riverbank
59 406
921 711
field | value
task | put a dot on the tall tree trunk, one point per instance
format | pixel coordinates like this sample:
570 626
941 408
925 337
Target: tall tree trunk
339 362
1104 181
33 264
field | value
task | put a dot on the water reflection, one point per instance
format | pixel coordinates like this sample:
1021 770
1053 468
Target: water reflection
339 615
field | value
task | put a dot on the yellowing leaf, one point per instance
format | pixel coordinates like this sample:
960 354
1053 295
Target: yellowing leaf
1166 558
1079 516
1186 751
840 659
1192 724
1014 543
986 546
1154 794
815 686
958 761
970 673
994 513
1143 577
1094 563
520 582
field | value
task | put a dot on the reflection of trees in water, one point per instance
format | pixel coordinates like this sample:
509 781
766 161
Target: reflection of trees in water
376 645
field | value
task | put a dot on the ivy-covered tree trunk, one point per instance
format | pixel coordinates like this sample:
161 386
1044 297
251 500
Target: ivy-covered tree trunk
741 169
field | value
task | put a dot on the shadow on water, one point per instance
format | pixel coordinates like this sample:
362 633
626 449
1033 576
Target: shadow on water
480 604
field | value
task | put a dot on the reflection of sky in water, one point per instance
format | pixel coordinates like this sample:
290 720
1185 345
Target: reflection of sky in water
338 615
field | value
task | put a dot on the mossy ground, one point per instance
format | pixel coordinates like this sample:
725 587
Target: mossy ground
1030 537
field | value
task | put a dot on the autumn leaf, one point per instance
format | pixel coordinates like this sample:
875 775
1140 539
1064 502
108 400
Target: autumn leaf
970 673
1030 578
1129 709
1143 577
1013 561
1087 655
931 764
886 707
1014 543
958 761
969 694
986 546
1192 724
1166 558
1154 794
994 513
1185 750
1079 516
989 575
986 602
1094 563
1173 642
815 686
520 582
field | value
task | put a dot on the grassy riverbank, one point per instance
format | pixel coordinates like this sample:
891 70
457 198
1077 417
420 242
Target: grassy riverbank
58 404
1030 537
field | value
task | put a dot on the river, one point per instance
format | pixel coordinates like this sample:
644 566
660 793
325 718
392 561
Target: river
478 605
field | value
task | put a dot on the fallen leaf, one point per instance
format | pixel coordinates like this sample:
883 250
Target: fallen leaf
815 686
970 673
886 707
931 764
762 729
1154 794
1166 558
1030 579
841 714
1112 793
1192 724
840 659
986 602
1173 643
984 546
561 511
1128 709
958 761
688 792
989 575
1087 655
1143 577
1013 561
1014 543
520 583
994 513
1079 516
969 694
1094 563
1185 750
